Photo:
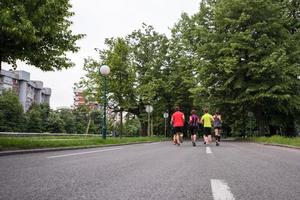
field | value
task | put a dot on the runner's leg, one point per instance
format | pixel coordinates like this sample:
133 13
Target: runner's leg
209 138
178 138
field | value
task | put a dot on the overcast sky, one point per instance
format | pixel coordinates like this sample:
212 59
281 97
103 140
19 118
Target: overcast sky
100 19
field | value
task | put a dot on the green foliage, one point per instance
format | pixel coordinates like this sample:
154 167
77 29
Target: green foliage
34 119
81 117
55 124
11 112
37 32
131 127
247 60
69 120
234 56
136 79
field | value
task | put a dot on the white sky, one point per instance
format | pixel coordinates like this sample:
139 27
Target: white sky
100 19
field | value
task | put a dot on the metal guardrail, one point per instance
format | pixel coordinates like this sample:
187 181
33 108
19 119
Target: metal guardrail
21 134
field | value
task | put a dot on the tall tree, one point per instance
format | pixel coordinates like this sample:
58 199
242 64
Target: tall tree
121 77
34 119
55 124
11 112
136 79
183 65
37 32
69 120
149 54
246 55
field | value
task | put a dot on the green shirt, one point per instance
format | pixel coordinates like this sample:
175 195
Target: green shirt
207 119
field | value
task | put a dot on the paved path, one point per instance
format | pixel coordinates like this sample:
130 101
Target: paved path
154 171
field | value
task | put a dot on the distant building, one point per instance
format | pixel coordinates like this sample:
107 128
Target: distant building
78 98
29 91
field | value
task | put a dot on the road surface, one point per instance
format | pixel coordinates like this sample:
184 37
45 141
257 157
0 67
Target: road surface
154 171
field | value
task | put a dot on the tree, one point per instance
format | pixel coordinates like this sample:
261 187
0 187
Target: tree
45 112
37 32
11 115
149 54
183 62
136 79
55 124
249 58
81 116
69 120
34 120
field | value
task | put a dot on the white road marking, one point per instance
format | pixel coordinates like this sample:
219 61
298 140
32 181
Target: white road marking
208 150
151 143
86 152
221 190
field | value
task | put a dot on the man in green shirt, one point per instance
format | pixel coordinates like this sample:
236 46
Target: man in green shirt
207 120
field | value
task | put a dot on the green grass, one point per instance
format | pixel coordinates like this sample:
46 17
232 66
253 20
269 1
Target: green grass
293 141
15 143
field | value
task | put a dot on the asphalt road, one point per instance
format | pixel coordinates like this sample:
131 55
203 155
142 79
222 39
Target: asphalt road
154 171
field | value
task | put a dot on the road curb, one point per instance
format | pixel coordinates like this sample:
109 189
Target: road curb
279 145
26 151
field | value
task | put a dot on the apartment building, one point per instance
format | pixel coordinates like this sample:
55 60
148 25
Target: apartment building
78 98
29 91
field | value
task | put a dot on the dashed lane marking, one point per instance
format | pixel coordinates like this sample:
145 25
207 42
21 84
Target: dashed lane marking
208 150
86 152
221 190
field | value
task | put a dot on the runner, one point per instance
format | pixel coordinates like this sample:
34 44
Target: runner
177 121
194 120
217 127
207 120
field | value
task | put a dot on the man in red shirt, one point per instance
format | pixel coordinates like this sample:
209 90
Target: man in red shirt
177 121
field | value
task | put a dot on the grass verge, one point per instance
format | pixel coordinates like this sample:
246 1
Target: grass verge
17 143
293 141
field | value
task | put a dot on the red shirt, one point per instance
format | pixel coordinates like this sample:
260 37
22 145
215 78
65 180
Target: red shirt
178 119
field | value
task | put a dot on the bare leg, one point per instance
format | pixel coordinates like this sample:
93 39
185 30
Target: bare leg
205 139
178 138
193 138
209 139
174 138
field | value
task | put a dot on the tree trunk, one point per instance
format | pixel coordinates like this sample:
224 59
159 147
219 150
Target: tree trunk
144 126
260 122
290 127
121 123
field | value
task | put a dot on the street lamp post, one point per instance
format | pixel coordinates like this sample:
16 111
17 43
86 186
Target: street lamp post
149 110
104 70
166 115
250 115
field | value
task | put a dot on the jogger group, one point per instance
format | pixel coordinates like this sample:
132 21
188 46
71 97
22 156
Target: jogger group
207 121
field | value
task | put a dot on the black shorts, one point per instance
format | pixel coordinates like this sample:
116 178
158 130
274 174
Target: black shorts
207 131
193 130
218 127
178 129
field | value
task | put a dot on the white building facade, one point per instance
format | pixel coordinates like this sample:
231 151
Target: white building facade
29 91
